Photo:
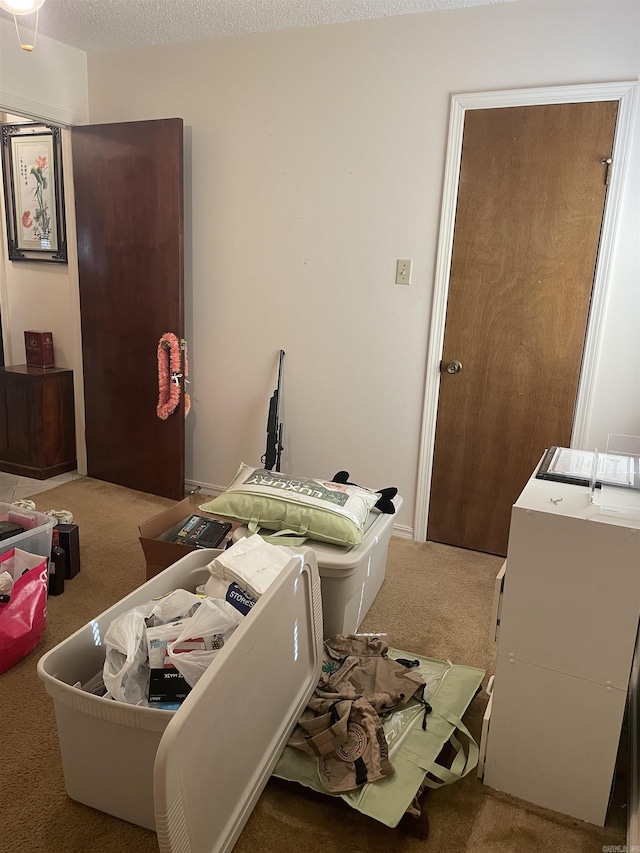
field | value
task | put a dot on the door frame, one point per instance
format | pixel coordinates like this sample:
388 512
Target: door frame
626 95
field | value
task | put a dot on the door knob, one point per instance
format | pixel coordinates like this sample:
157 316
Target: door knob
453 367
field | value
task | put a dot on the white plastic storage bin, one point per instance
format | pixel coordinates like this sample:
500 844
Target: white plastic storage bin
351 576
194 774
37 540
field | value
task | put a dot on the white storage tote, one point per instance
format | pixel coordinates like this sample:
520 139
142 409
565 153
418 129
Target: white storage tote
350 575
36 540
193 775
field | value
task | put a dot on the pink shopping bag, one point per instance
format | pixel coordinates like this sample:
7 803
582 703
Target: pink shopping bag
23 618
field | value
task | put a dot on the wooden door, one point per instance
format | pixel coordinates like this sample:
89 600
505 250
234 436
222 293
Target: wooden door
529 212
129 208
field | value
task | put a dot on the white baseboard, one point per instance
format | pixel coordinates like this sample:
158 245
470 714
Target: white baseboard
400 530
202 488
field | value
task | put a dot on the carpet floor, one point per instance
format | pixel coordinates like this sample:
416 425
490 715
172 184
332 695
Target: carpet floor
435 601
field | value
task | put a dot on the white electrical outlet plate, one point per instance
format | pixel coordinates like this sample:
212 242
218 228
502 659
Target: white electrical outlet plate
403 271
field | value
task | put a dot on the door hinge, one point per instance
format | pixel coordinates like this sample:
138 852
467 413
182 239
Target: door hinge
607 162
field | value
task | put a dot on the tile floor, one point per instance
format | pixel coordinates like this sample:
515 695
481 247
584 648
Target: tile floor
13 488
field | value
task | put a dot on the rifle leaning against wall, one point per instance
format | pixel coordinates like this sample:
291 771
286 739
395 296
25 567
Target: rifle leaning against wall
274 448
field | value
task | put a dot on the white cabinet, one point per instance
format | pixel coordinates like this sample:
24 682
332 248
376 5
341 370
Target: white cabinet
568 621
497 602
633 831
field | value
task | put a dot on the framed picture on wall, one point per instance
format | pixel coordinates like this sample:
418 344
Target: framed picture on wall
33 192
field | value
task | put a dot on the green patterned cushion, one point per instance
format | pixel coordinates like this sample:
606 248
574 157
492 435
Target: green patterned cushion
316 509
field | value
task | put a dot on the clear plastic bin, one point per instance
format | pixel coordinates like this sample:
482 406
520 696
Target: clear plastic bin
623 452
351 575
37 540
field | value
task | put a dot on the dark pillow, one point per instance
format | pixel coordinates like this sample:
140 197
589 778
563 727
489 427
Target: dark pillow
384 503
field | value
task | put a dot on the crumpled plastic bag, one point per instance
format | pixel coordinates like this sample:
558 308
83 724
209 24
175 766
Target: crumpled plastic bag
126 666
214 618
126 673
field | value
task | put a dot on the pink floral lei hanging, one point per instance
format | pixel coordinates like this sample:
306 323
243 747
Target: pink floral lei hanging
169 376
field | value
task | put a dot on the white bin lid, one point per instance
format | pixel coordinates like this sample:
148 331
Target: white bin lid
218 752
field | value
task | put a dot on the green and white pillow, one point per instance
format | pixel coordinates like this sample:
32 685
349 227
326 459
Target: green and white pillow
315 509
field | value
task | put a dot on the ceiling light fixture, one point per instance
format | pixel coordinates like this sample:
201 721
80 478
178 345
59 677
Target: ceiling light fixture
23 7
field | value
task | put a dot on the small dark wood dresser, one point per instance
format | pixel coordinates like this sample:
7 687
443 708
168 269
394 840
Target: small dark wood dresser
37 421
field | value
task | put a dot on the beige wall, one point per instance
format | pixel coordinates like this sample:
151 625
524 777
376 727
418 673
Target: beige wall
49 84
316 160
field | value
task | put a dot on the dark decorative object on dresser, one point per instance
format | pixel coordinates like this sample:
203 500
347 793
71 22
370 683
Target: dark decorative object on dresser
38 347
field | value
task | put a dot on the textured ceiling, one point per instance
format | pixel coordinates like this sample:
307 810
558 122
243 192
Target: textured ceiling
104 24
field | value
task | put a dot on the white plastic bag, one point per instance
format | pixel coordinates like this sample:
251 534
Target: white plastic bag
126 669
178 604
215 621
126 673
126 666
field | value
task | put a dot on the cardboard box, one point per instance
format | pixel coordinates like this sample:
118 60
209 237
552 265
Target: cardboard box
157 551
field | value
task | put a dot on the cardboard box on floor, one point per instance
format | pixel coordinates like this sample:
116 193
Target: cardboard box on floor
158 553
